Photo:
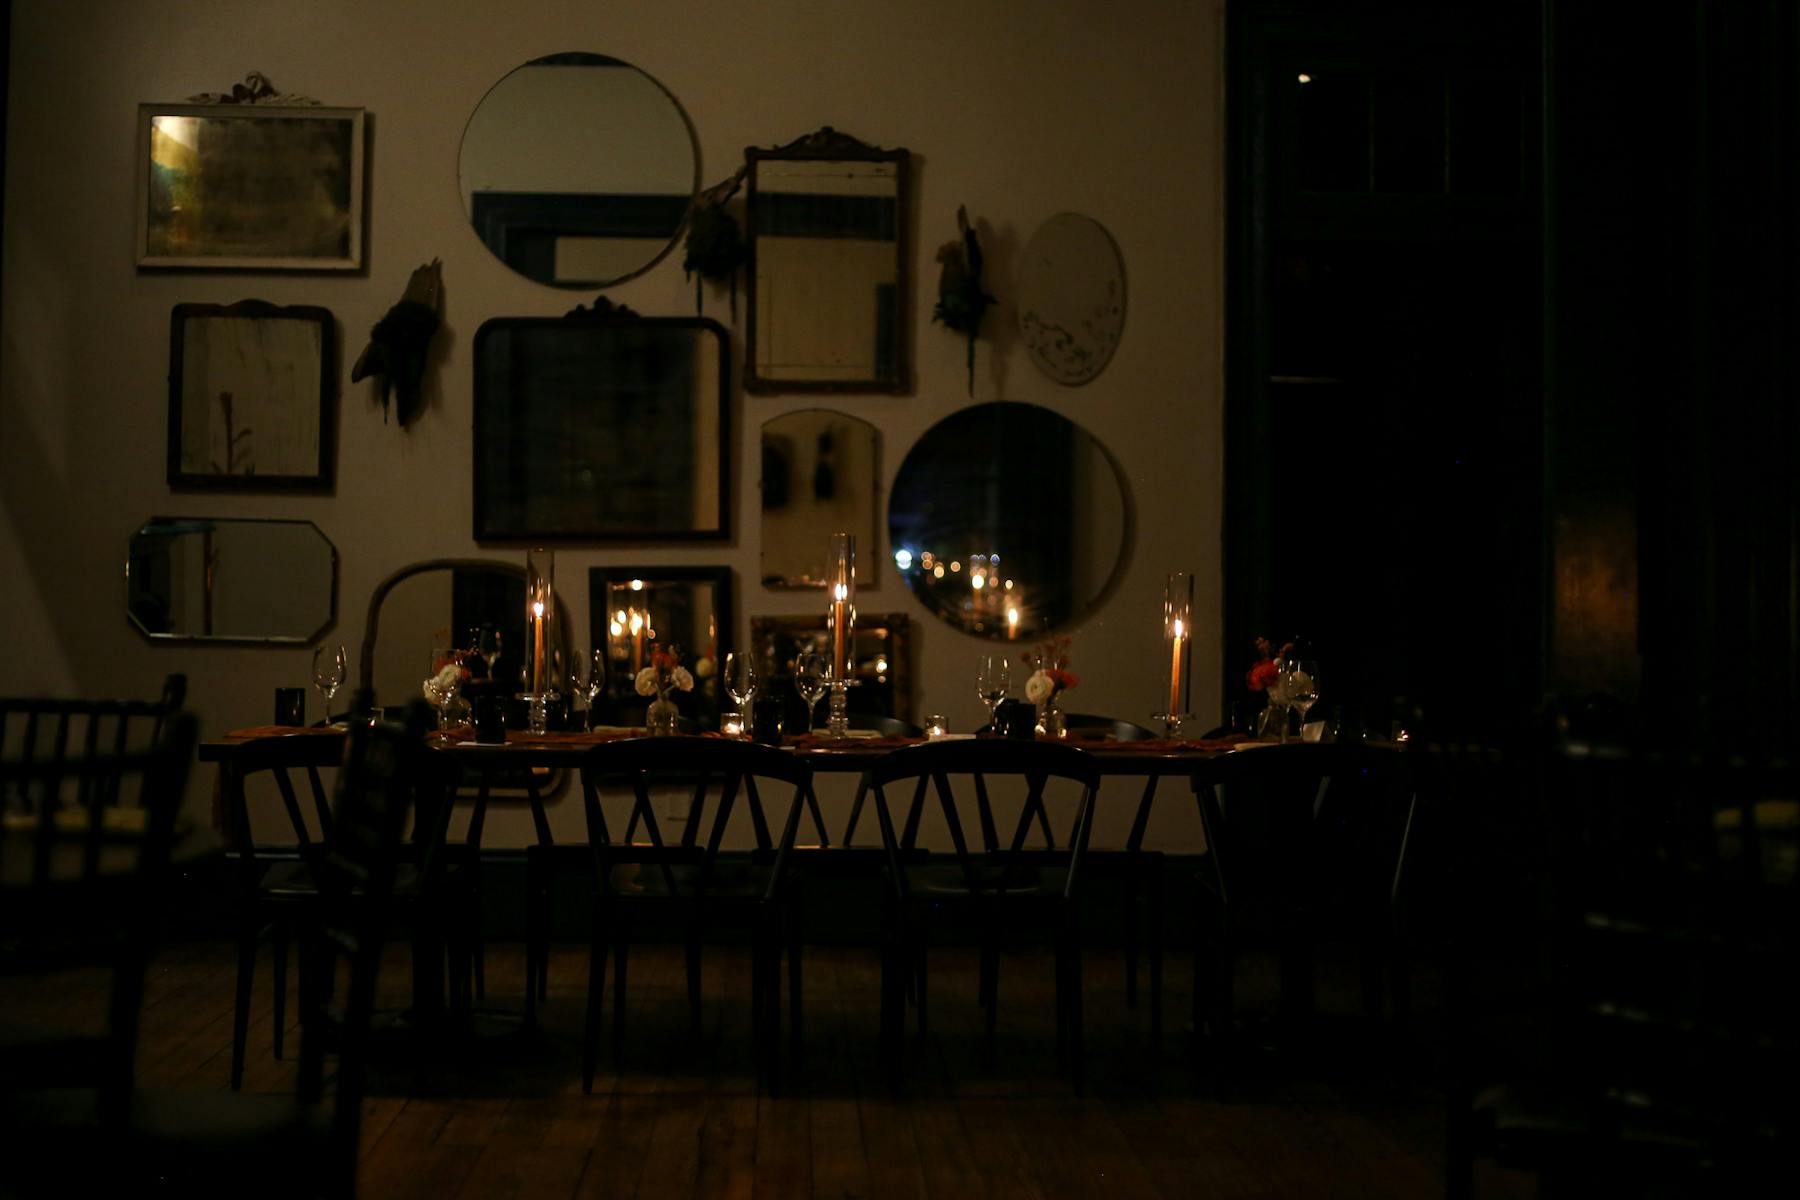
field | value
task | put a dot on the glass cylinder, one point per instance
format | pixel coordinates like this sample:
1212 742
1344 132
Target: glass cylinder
540 620
1178 627
840 619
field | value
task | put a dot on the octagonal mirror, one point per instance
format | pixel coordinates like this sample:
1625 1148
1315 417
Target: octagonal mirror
230 580
1008 520
577 170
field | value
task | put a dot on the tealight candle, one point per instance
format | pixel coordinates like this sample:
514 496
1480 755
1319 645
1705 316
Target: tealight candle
936 727
732 725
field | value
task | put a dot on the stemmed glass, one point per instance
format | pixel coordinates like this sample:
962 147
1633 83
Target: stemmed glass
741 683
1302 690
993 679
441 686
595 683
328 668
487 644
812 676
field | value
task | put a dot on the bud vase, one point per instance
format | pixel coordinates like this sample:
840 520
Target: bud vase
1050 720
662 718
1271 725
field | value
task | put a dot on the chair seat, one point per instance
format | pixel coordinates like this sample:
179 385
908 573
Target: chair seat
728 881
948 880
294 881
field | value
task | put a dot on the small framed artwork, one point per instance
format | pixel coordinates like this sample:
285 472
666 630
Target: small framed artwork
250 396
250 186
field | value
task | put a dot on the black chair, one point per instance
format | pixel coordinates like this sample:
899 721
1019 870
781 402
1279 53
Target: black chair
1666 918
200 1143
90 792
635 867
1000 881
1303 843
276 886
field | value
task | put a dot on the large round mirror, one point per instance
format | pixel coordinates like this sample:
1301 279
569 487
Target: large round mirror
577 170
1008 520
1071 297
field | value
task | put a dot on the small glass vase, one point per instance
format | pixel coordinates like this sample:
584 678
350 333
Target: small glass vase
1050 720
1271 725
662 718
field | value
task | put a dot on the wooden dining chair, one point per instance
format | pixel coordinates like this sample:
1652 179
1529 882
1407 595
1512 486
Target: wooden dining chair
637 868
1303 844
997 877
306 1143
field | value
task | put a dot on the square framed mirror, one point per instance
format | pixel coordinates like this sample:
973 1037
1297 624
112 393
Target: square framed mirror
828 266
882 683
634 612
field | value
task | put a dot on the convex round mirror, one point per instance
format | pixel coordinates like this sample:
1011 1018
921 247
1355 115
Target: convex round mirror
1071 297
577 170
218 579
1008 520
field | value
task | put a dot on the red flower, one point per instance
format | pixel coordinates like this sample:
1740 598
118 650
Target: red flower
1265 670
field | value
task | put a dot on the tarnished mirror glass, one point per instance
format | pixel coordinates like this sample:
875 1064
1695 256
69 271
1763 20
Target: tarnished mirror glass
577 170
219 579
881 681
828 264
818 478
1071 297
1008 520
635 611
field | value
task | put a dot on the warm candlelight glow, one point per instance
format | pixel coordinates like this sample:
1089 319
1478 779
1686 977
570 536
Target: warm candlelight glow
1178 601
1012 623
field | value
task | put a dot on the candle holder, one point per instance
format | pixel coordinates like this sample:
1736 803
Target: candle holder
1178 606
540 637
840 620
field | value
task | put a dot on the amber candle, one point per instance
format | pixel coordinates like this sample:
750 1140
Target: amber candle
1178 603
842 615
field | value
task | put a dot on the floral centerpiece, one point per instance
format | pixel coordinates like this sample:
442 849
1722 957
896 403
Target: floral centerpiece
442 688
1265 675
1049 679
665 674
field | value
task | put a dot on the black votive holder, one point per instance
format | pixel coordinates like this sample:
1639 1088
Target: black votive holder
768 721
290 706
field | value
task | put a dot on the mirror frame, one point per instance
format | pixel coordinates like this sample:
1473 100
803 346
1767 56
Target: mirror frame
898 624
315 635
365 662
828 144
724 614
498 409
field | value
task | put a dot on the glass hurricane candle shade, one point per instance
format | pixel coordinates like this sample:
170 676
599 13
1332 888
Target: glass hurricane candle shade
540 620
1177 633
840 620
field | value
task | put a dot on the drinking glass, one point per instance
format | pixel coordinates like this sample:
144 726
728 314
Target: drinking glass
441 694
812 676
1302 688
486 643
993 679
595 683
328 673
741 683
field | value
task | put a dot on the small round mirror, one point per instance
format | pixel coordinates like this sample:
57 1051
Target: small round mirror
1071 297
1008 520
577 170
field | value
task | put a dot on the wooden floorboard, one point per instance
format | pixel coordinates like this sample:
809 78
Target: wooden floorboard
502 1113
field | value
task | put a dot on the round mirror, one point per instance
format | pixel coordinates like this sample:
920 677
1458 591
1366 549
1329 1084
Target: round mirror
1071 297
577 170
1008 520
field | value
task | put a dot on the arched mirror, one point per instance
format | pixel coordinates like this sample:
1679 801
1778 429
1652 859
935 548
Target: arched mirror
1071 297
225 580
818 478
1008 520
577 170
447 602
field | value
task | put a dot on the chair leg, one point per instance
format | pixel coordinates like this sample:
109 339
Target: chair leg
1134 917
919 993
531 935
596 1000
1077 1059
1156 916
693 973
990 983
621 957
240 1013
795 975
278 949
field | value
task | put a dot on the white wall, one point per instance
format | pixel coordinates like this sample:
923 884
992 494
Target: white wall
1018 109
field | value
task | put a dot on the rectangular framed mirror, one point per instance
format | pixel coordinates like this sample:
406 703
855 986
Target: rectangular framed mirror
883 652
635 611
224 579
601 426
828 266
819 473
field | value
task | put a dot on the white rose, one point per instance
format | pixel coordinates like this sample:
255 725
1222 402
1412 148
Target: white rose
1039 687
646 682
682 679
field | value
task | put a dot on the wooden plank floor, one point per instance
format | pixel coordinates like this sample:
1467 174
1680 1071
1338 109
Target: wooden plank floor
503 1114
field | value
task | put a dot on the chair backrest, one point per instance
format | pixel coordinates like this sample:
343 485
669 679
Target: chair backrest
994 862
885 726
619 776
1298 822
341 943
87 822
1093 725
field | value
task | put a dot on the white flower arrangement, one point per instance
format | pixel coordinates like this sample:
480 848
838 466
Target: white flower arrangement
646 682
682 679
1040 687
440 685
649 682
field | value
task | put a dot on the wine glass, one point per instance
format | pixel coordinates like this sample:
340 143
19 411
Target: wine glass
812 676
486 643
595 683
328 669
1302 688
741 682
993 679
